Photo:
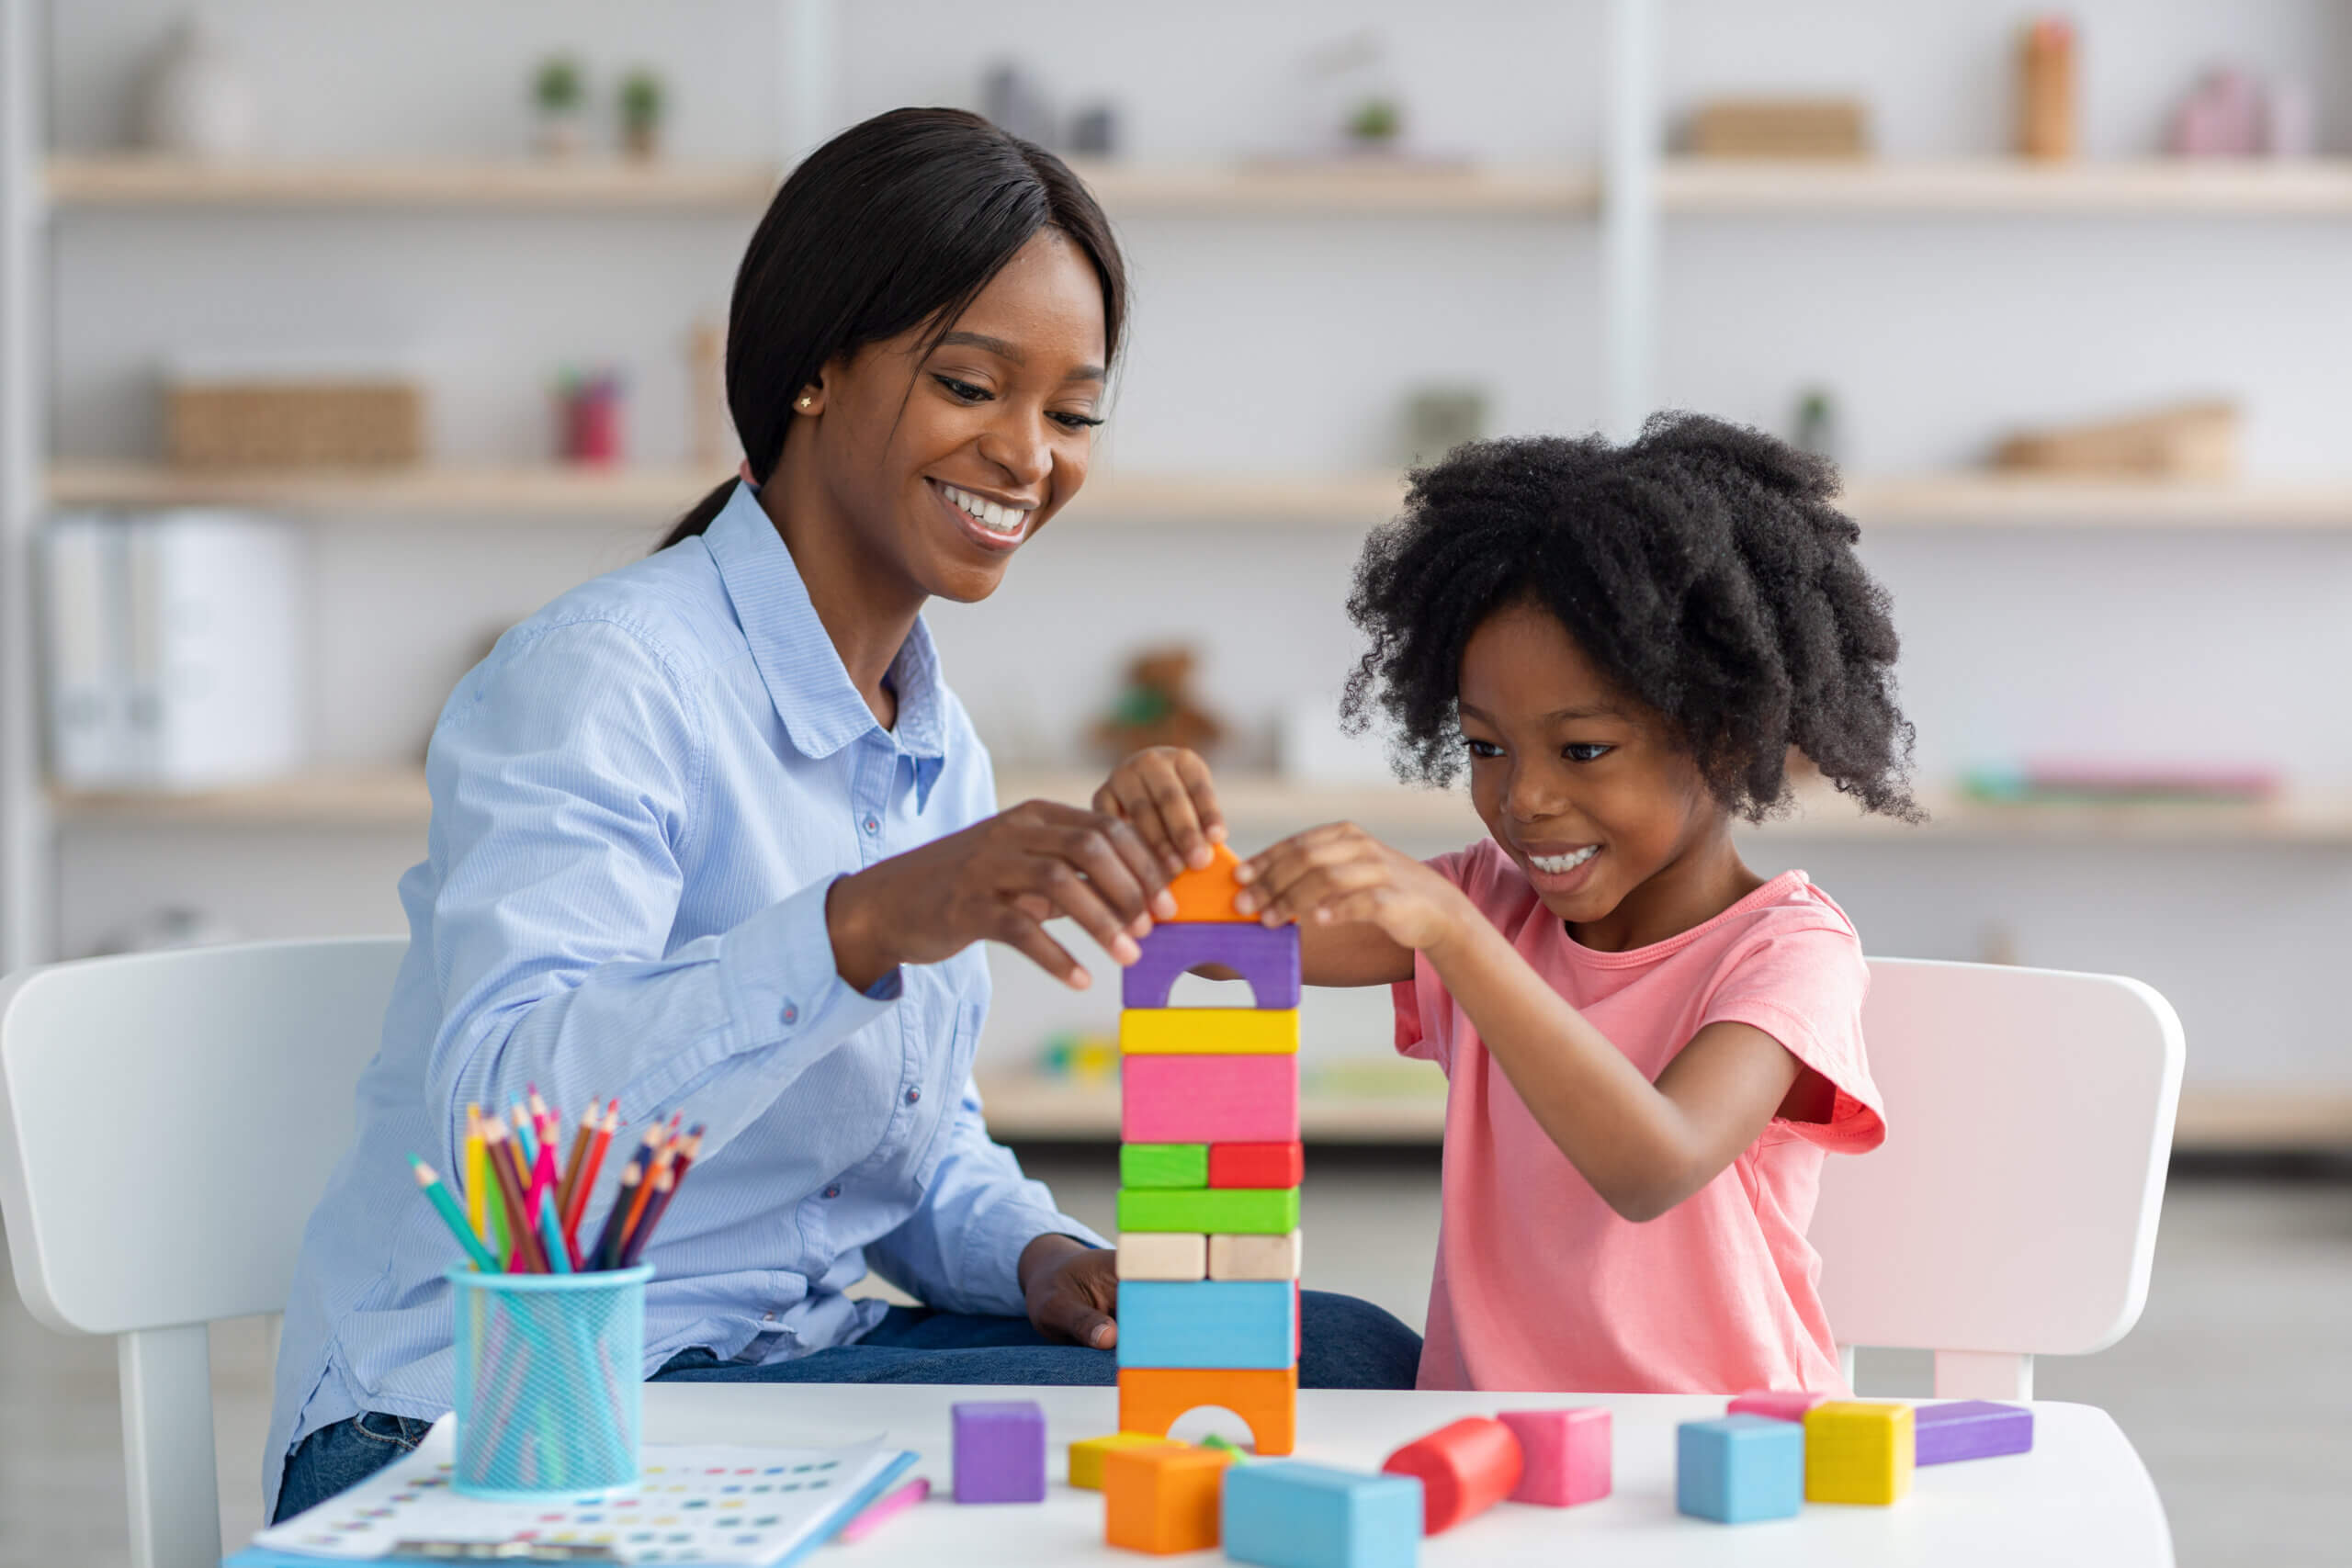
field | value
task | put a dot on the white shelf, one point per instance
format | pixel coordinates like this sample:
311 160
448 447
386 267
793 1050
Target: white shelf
1989 186
553 493
1370 186
133 180
1998 500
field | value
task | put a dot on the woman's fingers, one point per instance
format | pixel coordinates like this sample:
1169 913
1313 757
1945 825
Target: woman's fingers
1027 937
1057 879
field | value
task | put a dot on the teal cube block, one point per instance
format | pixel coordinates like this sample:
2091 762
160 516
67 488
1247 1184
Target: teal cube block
1207 1322
1286 1515
1739 1468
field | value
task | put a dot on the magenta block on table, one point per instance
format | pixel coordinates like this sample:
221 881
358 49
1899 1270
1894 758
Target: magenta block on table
1779 1407
999 1451
1208 1099
1564 1453
1267 959
1970 1429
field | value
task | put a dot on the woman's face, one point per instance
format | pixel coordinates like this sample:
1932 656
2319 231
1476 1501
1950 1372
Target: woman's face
945 462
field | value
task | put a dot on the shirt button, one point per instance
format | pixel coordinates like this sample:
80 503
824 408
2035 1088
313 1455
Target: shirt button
872 826
914 1097
791 1013
835 1192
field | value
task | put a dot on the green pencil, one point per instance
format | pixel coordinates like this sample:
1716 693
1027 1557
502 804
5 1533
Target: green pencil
453 1216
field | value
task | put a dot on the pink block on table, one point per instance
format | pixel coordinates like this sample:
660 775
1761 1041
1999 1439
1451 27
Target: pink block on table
1773 1405
1208 1099
1566 1455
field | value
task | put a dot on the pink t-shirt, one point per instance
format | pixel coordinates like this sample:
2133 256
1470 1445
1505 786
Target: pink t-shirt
1540 1285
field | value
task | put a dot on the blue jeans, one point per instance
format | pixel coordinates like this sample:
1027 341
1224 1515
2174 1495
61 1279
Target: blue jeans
1346 1343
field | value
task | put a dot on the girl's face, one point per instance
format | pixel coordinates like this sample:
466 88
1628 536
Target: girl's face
945 462
1585 790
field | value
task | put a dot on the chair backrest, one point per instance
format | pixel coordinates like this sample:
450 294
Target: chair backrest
167 1122
2012 1211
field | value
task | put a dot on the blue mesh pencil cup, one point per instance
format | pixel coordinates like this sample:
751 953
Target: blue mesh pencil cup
549 1386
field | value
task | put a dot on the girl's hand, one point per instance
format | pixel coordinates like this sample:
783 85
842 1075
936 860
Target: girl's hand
1339 874
1165 794
1071 1291
1000 881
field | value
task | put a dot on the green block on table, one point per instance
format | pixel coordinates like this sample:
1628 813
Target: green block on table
1164 1164
1230 1211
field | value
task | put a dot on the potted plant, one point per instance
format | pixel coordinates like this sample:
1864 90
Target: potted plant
641 101
561 94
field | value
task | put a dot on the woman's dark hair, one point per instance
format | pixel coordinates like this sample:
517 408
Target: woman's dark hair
1702 567
892 224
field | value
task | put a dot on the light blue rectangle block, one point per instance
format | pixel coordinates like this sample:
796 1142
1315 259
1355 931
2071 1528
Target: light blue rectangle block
1737 1468
1285 1515
1207 1322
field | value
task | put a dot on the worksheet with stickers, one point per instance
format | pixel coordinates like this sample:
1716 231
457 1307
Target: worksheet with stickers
691 1505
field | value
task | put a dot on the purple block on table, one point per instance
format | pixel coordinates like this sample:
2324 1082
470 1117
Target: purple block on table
1267 959
999 1451
1970 1429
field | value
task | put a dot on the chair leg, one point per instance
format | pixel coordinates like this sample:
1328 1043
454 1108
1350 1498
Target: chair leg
1845 1369
1984 1374
167 1376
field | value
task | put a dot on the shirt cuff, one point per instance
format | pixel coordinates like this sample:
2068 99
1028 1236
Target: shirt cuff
781 978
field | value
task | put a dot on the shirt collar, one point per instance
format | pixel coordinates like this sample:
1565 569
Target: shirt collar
805 680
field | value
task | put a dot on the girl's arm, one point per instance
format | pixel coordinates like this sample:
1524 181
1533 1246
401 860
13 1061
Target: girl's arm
1645 1147
1165 792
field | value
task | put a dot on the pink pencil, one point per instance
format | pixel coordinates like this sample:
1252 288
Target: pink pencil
882 1510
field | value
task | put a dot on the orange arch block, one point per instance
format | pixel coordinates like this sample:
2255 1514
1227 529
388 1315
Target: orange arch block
1207 894
1151 1399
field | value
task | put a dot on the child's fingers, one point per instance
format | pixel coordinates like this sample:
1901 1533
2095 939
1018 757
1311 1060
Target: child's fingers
1318 884
1266 874
1186 801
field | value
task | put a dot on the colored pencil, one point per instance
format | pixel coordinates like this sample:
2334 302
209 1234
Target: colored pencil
883 1510
571 1166
662 1184
453 1216
587 1183
608 1239
552 1242
510 1186
477 1176
665 1150
541 1197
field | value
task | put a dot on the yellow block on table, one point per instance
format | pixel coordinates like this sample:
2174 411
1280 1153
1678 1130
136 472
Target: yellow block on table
1858 1452
1086 1454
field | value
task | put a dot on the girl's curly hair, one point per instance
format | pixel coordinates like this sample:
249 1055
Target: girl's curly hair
1702 567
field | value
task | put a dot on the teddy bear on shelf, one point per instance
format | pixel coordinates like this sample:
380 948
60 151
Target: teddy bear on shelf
1156 707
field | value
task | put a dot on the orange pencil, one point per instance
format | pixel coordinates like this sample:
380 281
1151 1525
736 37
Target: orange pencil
578 1208
645 1189
665 1184
571 1162
502 1160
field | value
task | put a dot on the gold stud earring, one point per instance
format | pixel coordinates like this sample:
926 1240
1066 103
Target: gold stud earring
803 403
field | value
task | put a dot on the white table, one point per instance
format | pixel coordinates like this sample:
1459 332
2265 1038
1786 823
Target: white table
2081 1497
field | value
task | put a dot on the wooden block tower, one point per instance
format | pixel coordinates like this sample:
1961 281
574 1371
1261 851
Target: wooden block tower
1209 1169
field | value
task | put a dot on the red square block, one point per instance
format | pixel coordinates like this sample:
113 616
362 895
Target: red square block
1565 1454
1256 1165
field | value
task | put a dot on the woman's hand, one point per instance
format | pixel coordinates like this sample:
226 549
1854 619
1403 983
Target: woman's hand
1072 1290
1165 794
1340 874
1000 881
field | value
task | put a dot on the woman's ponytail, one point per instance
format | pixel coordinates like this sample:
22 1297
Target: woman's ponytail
703 515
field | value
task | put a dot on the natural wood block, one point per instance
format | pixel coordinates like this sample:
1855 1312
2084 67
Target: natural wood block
1858 1451
1208 1099
1163 1499
1254 1257
1164 1164
1162 1255
1209 1032
1152 1399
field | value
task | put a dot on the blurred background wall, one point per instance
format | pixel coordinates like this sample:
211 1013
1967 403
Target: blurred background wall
2176 639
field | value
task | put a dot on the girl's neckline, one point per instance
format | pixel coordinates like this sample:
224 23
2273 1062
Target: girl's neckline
1770 891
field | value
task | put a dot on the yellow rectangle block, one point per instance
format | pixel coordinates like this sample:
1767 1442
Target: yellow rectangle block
1086 1454
1209 1032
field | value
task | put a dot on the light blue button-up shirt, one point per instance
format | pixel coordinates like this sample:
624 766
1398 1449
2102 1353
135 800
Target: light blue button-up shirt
639 800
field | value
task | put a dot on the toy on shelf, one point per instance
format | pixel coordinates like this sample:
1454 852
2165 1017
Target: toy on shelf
2230 115
1465 1467
999 1451
1781 128
1564 1455
1288 1515
1205 1091
2046 77
1163 1499
1779 1407
1086 1454
1969 1428
1737 1469
2184 441
1857 1451
1088 1060
588 410
1156 707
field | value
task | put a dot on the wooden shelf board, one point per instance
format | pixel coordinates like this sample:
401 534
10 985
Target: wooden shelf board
2152 186
1369 188
2286 1117
551 492
130 180
385 797
1997 500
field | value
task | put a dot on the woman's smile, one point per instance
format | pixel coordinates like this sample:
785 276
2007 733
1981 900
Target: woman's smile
992 523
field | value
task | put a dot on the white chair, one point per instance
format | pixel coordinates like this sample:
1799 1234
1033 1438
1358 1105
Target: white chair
2012 1211
167 1122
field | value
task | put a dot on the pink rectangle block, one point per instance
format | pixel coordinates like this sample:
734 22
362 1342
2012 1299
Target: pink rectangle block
1208 1099
1565 1455
1776 1406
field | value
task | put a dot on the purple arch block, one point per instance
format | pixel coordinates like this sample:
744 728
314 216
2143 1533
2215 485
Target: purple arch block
1267 959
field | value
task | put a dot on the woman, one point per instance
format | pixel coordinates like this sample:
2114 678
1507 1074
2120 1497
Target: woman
710 834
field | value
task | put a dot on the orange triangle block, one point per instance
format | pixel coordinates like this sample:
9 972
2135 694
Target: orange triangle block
1207 894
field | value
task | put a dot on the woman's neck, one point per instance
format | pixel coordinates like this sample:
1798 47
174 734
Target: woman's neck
867 610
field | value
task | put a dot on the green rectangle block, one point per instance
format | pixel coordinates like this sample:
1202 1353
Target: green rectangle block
1163 1165
1232 1211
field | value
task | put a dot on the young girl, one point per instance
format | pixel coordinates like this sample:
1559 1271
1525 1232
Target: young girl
1650 1048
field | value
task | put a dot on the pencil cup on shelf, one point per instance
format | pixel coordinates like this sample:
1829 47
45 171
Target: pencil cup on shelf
548 1381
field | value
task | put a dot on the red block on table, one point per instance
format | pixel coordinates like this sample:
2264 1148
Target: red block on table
1465 1468
1256 1165
1563 1454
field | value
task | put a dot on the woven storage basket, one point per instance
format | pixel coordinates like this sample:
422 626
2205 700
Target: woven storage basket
294 423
